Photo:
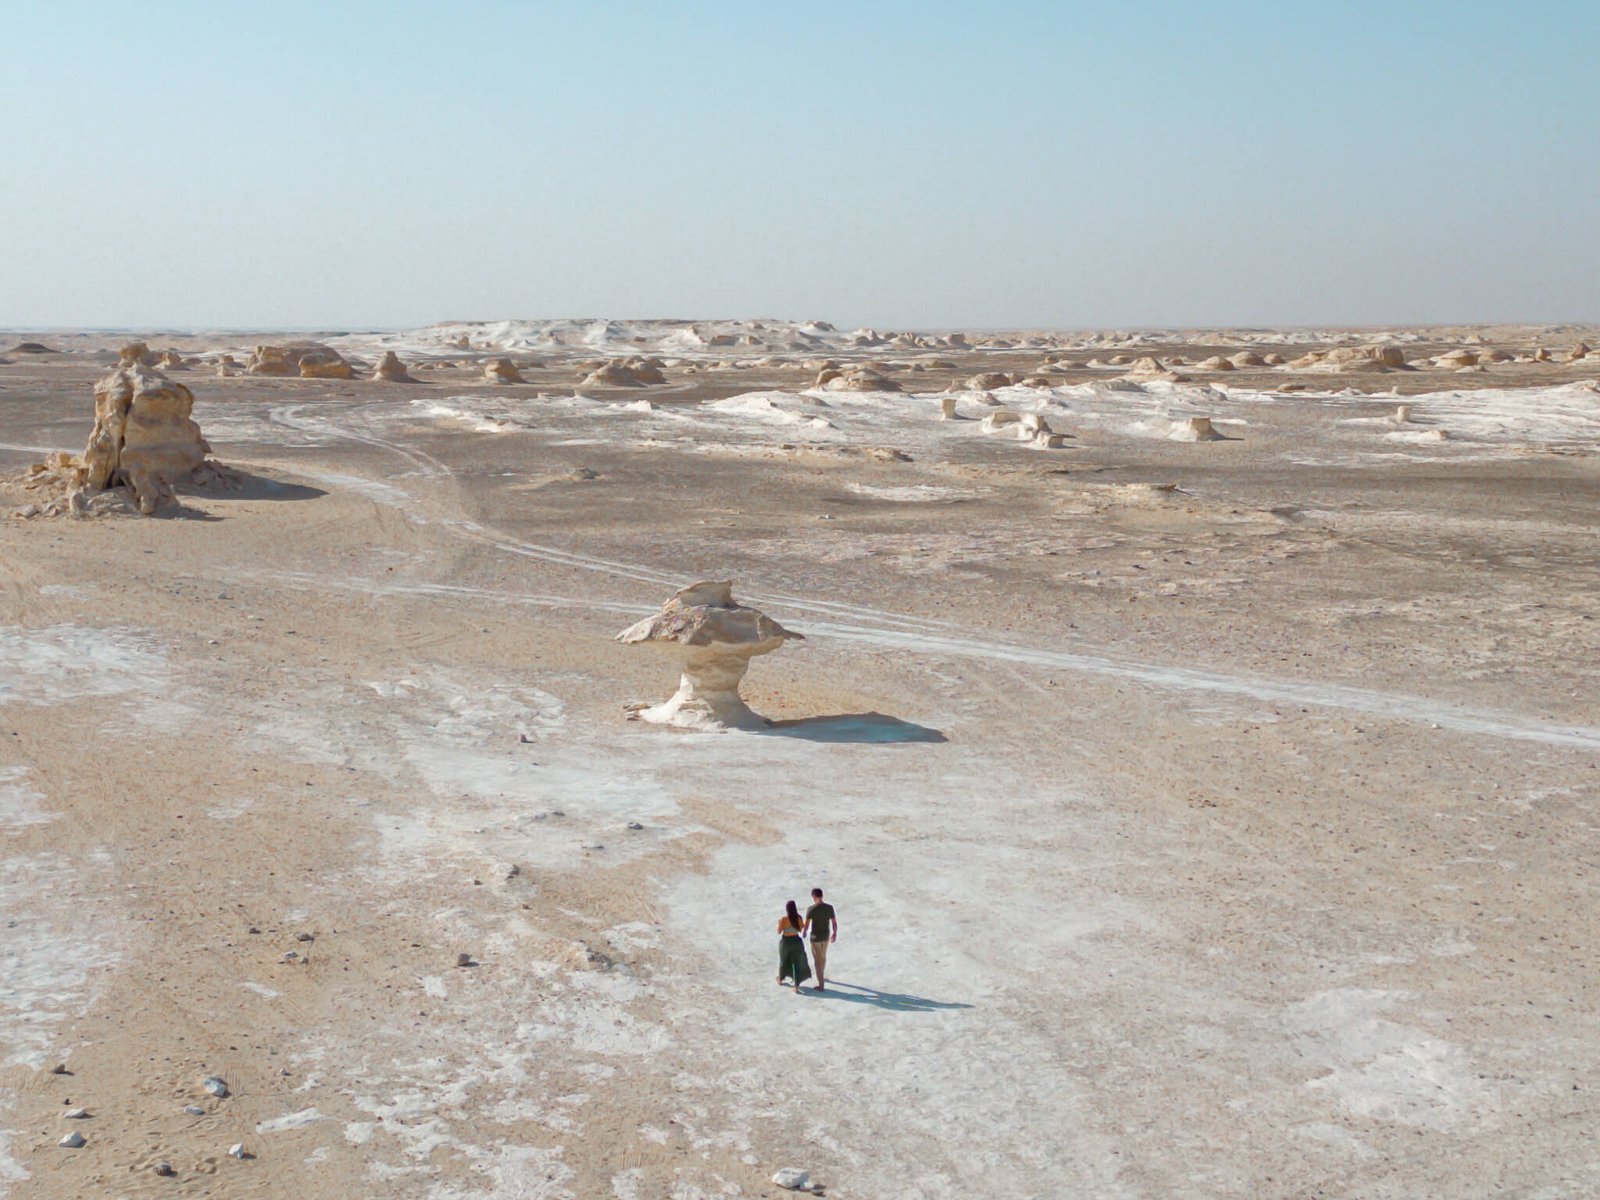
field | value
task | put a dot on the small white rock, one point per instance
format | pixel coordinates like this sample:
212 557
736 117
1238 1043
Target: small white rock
194 1110
216 1085
793 1178
237 1150
75 1114
73 1140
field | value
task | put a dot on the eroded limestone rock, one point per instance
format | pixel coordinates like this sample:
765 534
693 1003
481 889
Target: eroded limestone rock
391 370
308 360
502 370
712 640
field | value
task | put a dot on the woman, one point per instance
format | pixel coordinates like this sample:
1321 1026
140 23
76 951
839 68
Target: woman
791 949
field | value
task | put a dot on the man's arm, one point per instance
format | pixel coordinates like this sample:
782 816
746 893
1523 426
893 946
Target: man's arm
835 936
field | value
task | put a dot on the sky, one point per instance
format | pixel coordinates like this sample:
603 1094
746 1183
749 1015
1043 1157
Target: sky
355 165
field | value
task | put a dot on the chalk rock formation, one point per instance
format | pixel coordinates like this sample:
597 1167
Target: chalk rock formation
1194 429
308 360
1247 358
1579 352
859 379
143 440
391 370
947 408
1401 414
502 370
1149 369
1455 359
1215 363
996 421
988 381
712 640
1352 358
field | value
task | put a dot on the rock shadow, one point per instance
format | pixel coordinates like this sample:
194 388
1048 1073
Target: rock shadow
870 729
889 1001
246 485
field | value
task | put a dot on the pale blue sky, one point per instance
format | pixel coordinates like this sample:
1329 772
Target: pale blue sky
360 164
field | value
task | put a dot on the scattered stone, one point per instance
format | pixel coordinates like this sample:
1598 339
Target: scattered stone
238 1151
73 1140
635 825
216 1085
305 937
75 1114
712 639
795 1179
60 1069
194 1110
465 960
164 1169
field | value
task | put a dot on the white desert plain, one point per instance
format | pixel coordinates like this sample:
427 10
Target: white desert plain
1195 730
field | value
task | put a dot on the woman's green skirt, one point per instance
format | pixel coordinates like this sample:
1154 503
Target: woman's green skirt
792 962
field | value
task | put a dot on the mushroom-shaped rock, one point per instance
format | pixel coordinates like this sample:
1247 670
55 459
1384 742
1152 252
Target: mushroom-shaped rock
947 408
713 640
391 370
502 370
143 435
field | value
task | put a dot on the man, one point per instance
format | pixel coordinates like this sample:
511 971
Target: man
822 923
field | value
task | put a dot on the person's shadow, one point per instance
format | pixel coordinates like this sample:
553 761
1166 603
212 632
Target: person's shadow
891 1001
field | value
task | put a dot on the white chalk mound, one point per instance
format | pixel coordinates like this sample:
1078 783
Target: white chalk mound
712 640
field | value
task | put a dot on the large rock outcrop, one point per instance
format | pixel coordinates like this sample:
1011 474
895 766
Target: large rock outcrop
143 436
144 440
1352 358
307 360
711 639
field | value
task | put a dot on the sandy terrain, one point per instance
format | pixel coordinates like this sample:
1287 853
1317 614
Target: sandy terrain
1226 839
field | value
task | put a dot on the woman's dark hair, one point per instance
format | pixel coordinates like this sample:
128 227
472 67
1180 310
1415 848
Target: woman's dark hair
794 913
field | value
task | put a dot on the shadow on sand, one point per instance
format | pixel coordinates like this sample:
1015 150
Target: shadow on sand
873 729
891 1001
241 485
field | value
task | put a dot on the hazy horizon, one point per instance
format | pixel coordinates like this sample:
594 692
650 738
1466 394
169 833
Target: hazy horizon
907 166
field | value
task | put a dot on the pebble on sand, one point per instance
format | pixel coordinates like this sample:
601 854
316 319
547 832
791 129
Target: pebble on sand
73 1140
216 1085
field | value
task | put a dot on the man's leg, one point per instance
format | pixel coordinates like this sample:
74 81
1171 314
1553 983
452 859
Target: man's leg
819 955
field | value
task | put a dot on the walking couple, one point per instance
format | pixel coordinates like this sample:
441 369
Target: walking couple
822 924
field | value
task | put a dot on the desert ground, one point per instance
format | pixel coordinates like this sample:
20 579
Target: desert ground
1209 809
